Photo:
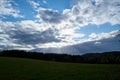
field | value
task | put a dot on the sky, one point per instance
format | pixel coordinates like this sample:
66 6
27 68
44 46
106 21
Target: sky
33 24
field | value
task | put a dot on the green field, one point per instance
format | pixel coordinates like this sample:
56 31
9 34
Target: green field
29 69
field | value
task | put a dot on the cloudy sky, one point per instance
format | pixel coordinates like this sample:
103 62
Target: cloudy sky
32 24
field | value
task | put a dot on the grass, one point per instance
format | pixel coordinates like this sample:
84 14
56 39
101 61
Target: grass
29 69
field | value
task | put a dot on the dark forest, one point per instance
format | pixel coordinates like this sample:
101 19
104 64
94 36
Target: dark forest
99 58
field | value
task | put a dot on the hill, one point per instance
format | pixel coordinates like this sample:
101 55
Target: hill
29 69
99 58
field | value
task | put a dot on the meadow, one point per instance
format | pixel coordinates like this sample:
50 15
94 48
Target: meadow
30 69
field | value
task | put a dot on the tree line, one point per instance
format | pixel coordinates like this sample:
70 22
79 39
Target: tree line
99 58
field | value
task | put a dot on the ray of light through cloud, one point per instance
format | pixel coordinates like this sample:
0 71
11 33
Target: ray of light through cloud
34 24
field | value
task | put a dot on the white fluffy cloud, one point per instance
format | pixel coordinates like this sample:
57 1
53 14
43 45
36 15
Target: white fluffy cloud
26 34
44 1
6 8
83 13
103 35
34 4
52 29
30 34
94 12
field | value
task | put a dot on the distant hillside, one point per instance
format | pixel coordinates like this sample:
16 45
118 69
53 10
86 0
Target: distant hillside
106 57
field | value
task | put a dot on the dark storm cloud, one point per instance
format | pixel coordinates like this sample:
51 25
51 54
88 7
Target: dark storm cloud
22 37
51 16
